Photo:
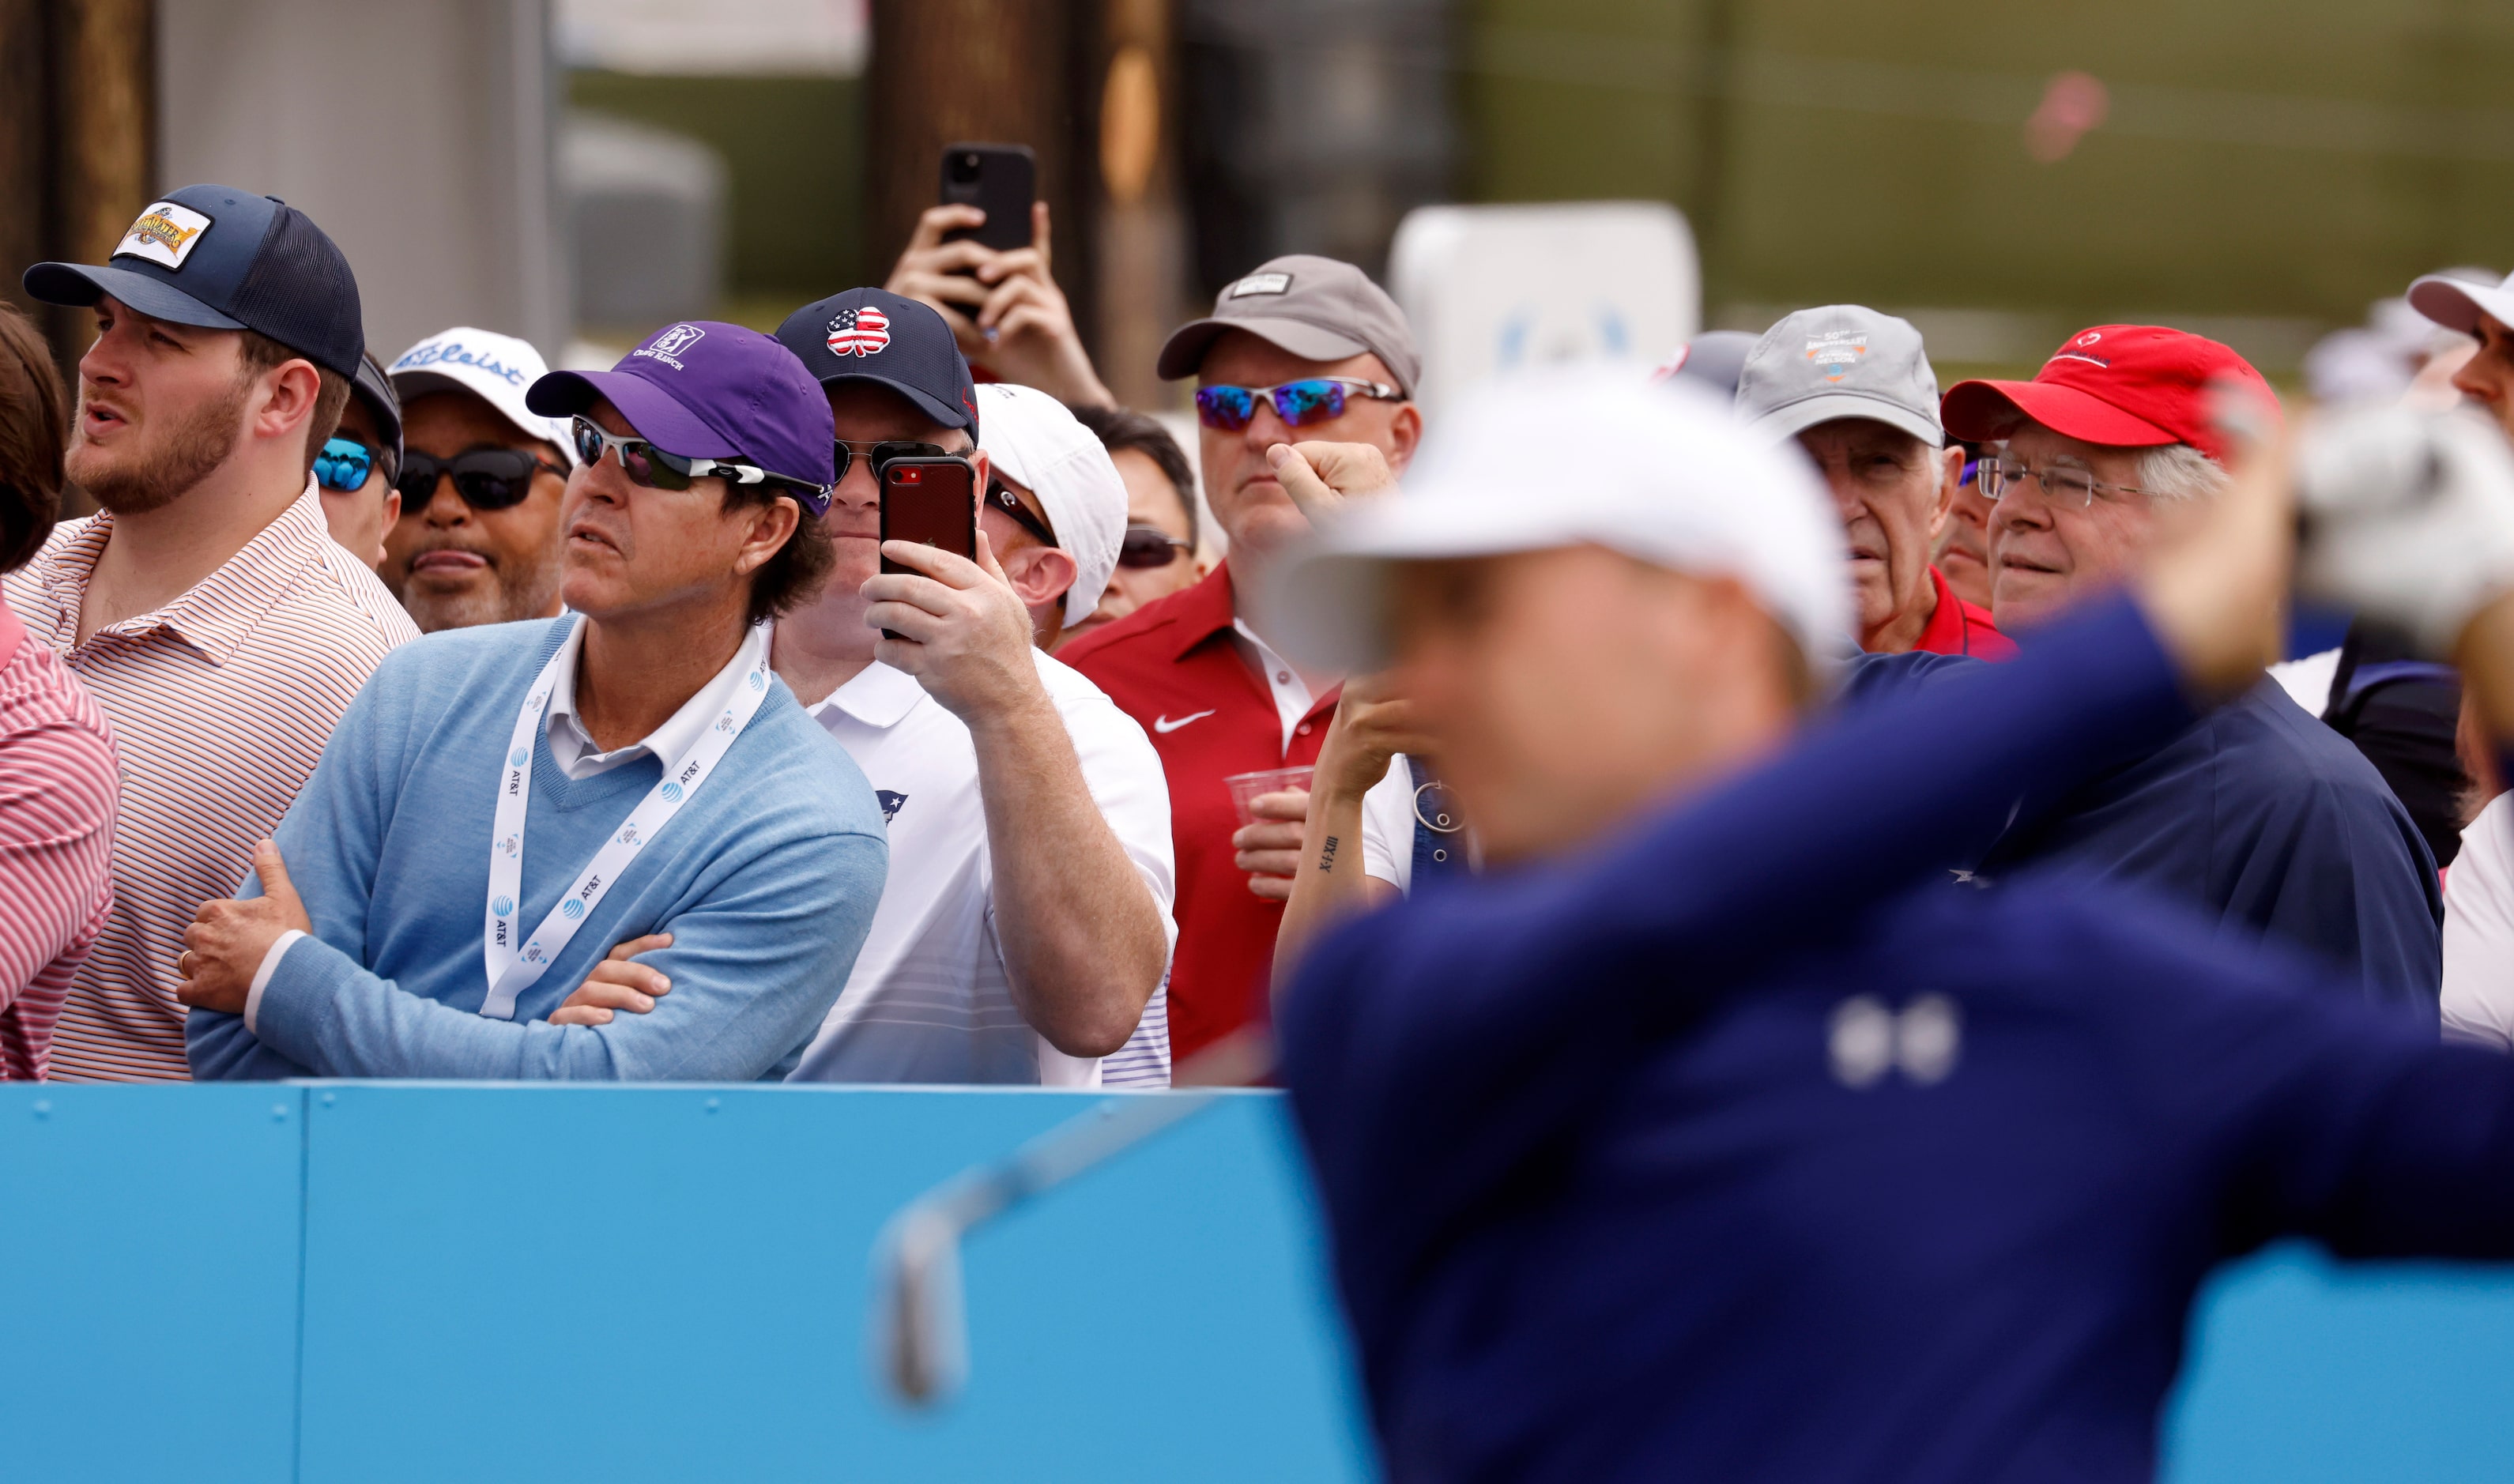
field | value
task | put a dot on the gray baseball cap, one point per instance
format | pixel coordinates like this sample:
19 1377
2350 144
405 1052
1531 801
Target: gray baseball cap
1316 308
1840 361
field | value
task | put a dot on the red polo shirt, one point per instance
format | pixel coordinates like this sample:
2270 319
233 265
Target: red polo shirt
1173 667
1959 627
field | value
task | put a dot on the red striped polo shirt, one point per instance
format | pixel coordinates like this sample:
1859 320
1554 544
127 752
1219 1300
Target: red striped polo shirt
220 703
56 795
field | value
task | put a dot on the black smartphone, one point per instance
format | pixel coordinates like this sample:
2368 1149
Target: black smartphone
930 500
999 180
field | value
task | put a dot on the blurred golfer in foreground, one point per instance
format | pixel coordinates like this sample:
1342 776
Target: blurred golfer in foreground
1716 1134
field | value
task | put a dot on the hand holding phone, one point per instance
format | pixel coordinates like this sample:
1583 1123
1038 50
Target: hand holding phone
980 258
932 502
999 180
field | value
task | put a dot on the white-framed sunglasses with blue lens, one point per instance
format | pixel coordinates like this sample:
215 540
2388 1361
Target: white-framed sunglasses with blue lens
653 469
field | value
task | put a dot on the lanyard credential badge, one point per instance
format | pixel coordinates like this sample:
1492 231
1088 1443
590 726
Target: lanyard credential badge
513 967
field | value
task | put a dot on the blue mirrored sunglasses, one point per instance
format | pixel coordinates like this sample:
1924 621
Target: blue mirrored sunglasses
1313 399
344 465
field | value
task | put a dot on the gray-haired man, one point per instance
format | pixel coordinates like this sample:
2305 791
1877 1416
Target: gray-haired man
1854 388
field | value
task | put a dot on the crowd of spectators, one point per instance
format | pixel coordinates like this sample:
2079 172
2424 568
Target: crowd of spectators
1827 732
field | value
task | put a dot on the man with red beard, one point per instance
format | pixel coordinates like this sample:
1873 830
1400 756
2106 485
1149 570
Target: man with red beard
207 608
478 539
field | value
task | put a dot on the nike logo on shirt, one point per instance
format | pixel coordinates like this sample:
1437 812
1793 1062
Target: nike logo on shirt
1165 726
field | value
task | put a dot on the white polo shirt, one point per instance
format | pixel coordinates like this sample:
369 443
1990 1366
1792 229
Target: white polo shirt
929 1000
1388 826
2478 1003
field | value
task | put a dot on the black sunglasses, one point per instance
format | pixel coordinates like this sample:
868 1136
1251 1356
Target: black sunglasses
1011 503
1149 546
487 477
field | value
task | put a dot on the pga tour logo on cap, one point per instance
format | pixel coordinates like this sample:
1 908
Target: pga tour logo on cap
1261 283
674 342
165 234
1836 353
859 332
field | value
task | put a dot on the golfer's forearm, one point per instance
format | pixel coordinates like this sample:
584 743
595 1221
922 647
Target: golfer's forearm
1082 938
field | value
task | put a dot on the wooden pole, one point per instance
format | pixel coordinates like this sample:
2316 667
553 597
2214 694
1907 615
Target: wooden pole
26 137
996 71
1141 243
105 121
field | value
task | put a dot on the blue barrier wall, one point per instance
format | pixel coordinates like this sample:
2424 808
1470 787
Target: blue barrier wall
657 1283
375 1282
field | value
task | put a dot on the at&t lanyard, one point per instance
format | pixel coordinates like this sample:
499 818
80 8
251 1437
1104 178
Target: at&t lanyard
514 968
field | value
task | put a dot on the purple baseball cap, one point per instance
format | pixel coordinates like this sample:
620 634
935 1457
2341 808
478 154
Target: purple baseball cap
706 390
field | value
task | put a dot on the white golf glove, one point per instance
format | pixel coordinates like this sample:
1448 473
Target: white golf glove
2409 518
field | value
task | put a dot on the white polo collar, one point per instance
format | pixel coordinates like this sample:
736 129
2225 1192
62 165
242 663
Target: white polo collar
878 696
572 746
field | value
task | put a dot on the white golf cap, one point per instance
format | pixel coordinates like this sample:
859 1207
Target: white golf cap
498 369
1037 444
2455 303
1671 479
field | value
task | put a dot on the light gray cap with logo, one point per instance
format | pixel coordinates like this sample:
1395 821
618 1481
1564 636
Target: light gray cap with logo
1840 361
1317 308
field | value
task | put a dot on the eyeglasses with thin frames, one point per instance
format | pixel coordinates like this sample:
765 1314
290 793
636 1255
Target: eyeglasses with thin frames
2067 488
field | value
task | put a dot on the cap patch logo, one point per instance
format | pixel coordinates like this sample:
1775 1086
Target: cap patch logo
859 332
165 234
2076 350
1260 283
1834 355
668 346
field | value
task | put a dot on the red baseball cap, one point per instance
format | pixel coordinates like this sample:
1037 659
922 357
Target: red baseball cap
2124 385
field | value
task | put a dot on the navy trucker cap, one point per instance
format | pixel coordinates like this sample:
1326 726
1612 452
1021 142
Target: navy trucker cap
225 258
872 335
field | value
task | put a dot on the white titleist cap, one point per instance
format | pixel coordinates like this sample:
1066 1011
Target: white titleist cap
1672 480
498 369
1037 444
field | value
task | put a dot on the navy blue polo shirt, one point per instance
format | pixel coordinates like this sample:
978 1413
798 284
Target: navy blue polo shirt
1733 1150
2259 814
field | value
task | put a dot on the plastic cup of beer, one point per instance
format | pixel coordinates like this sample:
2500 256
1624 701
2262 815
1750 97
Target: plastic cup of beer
1247 788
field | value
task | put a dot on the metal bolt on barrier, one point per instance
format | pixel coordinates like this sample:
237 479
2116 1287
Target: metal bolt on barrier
43 1109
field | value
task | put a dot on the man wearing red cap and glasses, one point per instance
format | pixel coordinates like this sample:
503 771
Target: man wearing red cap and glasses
2260 813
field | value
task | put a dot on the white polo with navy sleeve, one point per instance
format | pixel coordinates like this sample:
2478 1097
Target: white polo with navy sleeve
929 1000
